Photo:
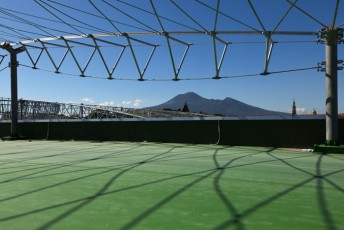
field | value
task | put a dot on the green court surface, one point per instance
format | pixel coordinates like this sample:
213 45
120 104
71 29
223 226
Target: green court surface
121 185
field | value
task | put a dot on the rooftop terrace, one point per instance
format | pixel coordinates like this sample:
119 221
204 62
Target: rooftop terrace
122 185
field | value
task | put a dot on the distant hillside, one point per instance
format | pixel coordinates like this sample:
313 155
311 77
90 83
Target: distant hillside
227 107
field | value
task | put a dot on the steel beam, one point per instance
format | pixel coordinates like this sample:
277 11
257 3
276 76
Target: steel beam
219 32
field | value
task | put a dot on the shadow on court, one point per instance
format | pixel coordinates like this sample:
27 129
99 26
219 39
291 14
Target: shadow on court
132 158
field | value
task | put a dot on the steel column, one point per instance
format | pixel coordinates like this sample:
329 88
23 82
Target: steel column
14 85
331 87
14 94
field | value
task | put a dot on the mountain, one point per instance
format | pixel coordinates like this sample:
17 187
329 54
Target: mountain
227 107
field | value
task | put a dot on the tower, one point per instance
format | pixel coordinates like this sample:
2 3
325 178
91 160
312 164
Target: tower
185 108
293 111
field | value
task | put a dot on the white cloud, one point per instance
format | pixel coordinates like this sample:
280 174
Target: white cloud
107 103
126 102
301 110
88 100
135 103
70 102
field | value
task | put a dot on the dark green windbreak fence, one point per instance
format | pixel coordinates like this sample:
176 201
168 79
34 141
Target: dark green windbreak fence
281 133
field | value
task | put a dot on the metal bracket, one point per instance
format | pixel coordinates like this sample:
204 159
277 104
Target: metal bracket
322 34
13 64
218 64
268 52
176 70
9 48
322 66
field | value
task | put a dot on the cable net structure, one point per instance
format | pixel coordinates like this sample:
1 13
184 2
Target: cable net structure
173 40
162 40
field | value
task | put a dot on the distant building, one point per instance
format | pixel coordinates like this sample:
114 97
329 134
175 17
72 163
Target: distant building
185 108
293 111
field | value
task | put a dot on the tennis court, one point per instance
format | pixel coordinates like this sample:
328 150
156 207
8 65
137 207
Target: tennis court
123 185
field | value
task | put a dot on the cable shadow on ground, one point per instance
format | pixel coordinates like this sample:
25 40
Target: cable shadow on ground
172 196
154 208
26 151
47 156
149 154
263 203
196 157
326 214
260 162
321 200
63 165
320 191
27 168
72 180
68 181
25 160
156 158
100 191
168 158
76 150
216 182
237 220
335 157
61 183
336 186
290 165
102 194
164 201
134 164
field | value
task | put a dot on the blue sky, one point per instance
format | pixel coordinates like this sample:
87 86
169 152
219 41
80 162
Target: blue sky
245 56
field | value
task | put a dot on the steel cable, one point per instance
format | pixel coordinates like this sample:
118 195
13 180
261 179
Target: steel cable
4 68
188 15
59 22
307 14
171 78
15 30
335 13
227 16
68 16
285 15
129 16
25 22
256 14
69 25
165 18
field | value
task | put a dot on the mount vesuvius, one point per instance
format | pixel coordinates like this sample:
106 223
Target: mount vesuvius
226 107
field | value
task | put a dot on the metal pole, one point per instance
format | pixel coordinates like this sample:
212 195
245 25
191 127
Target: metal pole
81 111
14 95
14 85
331 87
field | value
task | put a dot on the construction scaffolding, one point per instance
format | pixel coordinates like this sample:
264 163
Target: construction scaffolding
42 110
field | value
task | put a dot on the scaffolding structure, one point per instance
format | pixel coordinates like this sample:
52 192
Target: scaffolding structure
42 110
